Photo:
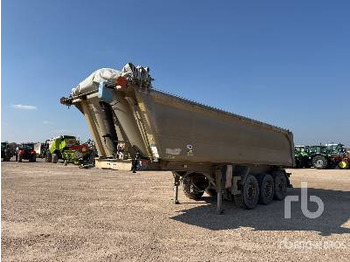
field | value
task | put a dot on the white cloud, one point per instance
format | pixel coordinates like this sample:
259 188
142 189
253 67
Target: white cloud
25 107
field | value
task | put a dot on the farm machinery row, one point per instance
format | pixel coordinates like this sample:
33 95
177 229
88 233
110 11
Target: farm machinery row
22 152
322 156
65 148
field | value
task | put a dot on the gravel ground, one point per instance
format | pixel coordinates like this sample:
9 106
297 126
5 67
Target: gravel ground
52 212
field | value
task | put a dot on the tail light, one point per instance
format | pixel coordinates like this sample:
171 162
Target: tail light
21 152
121 81
33 152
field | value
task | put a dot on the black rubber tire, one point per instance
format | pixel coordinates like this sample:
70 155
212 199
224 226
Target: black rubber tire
54 158
20 158
306 162
298 163
34 159
267 188
48 157
281 184
319 162
249 196
7 155
238 199
190 190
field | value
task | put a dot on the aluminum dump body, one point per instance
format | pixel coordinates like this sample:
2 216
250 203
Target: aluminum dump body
187 131
165 128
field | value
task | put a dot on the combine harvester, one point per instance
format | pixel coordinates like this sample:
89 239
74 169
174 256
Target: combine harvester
208 149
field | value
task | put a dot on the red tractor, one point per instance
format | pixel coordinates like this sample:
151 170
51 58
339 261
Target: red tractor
26 151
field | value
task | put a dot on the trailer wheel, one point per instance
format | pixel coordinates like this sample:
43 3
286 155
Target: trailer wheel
34 158
281 184
48 157
20 158
191 185
319 162
54 158
249 196
267 188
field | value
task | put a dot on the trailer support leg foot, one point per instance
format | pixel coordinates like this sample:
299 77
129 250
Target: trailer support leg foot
176 189
219 208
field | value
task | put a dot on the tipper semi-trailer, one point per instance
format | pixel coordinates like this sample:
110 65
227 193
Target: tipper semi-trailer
209 150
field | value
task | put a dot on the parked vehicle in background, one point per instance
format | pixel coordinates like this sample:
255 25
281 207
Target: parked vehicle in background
344 163
336 148
320 156
6 151
41 149
68 149
302 156
26 152
338 154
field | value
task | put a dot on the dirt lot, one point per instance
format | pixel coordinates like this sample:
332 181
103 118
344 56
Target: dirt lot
63 213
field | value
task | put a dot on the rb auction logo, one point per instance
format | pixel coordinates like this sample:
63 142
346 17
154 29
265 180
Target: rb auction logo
304 200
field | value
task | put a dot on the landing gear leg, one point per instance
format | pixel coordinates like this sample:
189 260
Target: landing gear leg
176 189
218 177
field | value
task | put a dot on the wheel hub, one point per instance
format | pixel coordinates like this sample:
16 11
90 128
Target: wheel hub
268 189
319 163
251 191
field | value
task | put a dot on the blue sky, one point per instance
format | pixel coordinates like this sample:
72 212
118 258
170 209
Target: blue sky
283 62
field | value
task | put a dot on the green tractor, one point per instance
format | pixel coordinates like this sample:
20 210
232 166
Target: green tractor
6 151
68 149
302 156
336 148
320 156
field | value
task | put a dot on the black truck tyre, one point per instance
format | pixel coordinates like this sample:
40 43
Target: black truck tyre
267 188
190 190
54 158
20 158
34 158
319 162
281 184
249 196
7 155
48 157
